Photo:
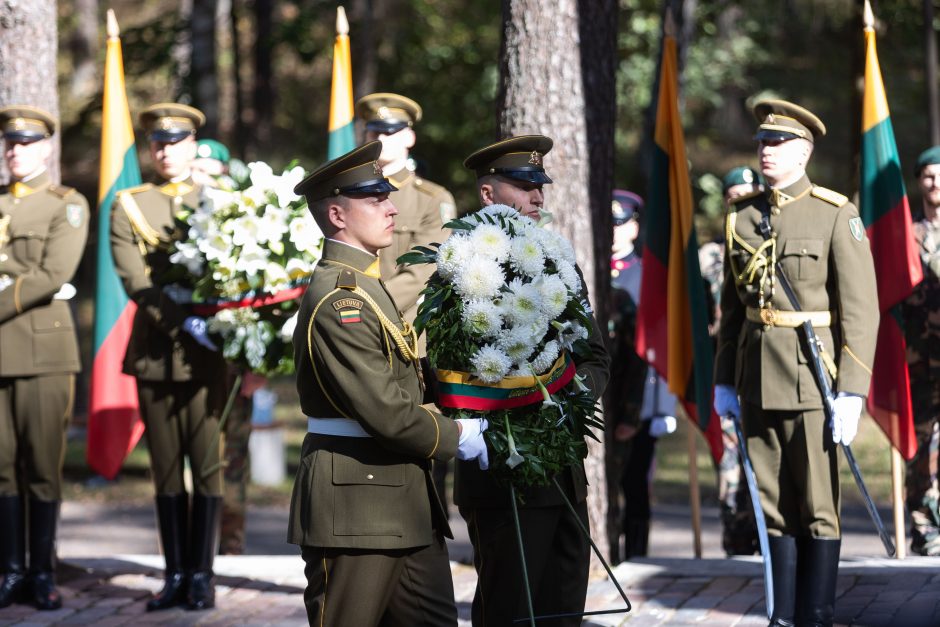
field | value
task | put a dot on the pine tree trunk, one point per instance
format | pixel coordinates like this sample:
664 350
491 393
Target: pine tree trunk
203 77
84 46
28 49
557 79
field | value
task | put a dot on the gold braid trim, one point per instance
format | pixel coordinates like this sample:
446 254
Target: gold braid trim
406 340
138 222
758 263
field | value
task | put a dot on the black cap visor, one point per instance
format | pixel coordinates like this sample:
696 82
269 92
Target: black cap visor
375 186
169 136
774 136
385 127
23 137
526 175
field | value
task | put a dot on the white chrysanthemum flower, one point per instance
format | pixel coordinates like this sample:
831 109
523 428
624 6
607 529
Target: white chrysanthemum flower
516 343
554 295
482 318
188 255
569 275
522 304
480 278
287 331
497 211
570 333
305 234
490 241
525 256
490 364
453 255
544 360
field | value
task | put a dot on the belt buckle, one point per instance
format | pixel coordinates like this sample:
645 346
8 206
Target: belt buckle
768 317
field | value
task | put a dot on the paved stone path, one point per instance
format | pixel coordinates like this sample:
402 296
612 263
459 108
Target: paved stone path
109 569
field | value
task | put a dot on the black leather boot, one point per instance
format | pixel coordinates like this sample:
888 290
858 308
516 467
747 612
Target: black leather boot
204 545
12 550
43 517
819 569
783 569
173 518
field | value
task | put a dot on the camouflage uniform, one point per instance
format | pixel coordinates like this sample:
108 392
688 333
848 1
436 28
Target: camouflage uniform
738 529
922 328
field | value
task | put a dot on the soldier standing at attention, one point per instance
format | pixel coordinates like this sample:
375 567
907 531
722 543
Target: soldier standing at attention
364 511
819 240
921 312
511 172
422 206
181 383
43 228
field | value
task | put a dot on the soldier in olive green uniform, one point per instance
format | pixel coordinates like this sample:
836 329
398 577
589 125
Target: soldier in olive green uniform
364 509
181 382
423 207
820 242
922 332
558 555
43 228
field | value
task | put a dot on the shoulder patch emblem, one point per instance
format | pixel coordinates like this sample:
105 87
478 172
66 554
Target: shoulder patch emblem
349 316
857 228
74 214
347 303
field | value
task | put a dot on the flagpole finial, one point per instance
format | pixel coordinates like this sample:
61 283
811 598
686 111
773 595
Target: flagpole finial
113 30
669 28
342 24
868 17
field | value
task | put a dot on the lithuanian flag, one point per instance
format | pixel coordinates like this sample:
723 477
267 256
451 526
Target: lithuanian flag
342 139
672 321
114 424
887 216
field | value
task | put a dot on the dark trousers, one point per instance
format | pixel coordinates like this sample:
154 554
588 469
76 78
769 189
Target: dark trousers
558 557
182 419
379 588
34 414
635 478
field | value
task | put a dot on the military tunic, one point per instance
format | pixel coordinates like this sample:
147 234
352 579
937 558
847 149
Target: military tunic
364 509
423 207
922 331
822 246
43 228
181 385
557 553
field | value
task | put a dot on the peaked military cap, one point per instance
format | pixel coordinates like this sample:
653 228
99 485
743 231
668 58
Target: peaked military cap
388 113
781 120
171 122
931 156
741 175
625 206
518 158
356 172
26 124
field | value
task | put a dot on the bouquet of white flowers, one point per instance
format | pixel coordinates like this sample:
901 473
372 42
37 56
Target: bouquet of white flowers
244 262
503 316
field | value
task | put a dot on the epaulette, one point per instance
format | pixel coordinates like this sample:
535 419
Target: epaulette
753 194
346 280
426 186
831 197
60 190
137 189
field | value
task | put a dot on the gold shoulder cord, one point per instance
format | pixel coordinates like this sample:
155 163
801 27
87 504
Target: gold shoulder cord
406 340
758 263
147 234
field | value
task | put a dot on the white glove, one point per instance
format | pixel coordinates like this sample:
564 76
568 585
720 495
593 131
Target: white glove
196 327
726 401
662 425
847 409
471 444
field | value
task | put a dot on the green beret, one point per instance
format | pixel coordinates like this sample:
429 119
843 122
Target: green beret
741 175
212 149
356 172
930 156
